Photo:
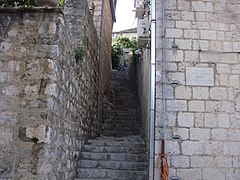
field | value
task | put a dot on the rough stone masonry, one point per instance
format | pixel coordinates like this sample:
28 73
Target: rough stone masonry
48 100
197 88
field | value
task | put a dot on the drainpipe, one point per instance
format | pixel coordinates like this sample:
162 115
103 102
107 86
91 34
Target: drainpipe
113 9
100 70
152 90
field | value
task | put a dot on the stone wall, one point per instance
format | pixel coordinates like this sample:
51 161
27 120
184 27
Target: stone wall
106 44
103 21
96 10
143 84
198 115
48 99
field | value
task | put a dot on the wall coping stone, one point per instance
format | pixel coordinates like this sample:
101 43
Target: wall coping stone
31 10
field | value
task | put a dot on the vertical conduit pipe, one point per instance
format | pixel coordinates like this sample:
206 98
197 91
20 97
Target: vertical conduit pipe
152 90
100 69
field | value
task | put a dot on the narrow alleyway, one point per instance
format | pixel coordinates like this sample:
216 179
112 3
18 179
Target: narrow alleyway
120 153
125 113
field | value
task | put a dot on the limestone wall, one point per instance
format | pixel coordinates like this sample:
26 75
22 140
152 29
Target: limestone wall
48 100
102 18
198 115
95 7
106 58
143 80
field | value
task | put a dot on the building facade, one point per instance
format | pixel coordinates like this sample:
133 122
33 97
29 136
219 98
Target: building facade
49 96
103 13
197 88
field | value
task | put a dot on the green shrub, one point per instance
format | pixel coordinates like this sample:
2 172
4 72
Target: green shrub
61 3
117 52
118 44
79 53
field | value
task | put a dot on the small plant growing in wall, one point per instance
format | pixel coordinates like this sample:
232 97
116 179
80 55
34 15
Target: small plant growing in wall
79 53
17 3
28 3
61 3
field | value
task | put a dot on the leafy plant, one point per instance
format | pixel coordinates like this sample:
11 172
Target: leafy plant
126 42
23 3
79 53
18 3
61 3
117 52
118 45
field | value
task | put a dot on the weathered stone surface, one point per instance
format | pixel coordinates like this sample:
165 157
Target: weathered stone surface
203 113
48 99
113 158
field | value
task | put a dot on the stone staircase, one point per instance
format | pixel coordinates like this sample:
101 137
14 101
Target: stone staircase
120 152
125 113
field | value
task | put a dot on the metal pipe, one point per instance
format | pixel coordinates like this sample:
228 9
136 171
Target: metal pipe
113 9
100 69
152 90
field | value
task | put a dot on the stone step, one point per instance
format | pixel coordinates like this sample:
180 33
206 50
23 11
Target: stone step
124 106
92 178
112 174
131 141
124 96
122 120
123 111
124 90
116 124
120 133
125 100
128 115
123 132
122 127
121 153
128 89
105 149
114 156
113 165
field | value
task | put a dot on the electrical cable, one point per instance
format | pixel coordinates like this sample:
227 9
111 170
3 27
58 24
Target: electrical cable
162 165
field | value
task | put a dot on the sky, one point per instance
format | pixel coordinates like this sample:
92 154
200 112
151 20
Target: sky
125 16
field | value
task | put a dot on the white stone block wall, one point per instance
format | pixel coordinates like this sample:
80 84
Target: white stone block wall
203 34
